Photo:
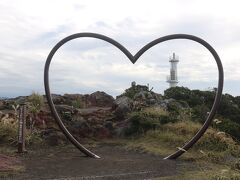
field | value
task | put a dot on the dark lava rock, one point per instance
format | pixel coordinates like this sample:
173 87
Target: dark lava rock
101 99
108 125
53 137
123 105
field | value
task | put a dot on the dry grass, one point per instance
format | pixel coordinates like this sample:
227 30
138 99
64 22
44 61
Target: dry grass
155 111
9 135
213 146
214 173
217 154
8 132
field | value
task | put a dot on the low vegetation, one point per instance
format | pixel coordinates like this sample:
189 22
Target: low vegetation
200 103
218 151
162 130
35 103
216 155
213 146
9 134
9 125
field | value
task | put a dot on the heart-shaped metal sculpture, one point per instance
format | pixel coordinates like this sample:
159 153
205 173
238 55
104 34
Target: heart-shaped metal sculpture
133 59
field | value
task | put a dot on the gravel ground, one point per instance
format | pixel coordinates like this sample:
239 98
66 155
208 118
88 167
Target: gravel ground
115 163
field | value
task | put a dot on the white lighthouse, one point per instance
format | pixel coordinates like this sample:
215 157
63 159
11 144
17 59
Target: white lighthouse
173 79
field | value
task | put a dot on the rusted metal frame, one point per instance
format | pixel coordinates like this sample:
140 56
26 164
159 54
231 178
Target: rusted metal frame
133 59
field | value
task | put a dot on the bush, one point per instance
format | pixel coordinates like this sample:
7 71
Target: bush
229 127
174 106
200 113
192 97
178 93
36 102
148 119
140 123
33 138
77 103
132 91
8 133
229 109
66 116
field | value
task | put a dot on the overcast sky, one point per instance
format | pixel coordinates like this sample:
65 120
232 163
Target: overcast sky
29 29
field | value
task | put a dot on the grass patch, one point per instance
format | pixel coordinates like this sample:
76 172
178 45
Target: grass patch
213 146
9 135
214 173
216 154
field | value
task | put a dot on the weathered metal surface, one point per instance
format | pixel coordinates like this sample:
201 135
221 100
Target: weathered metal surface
133 59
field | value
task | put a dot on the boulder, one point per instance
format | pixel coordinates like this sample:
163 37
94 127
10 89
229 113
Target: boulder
102 132
100 99
80 129
121 127
64 108
75 100
142 95
53 137
123 105
58 99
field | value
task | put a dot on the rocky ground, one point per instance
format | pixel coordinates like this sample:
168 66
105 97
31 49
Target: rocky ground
91 115
138 112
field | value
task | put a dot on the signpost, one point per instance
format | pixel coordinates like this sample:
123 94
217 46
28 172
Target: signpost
21 128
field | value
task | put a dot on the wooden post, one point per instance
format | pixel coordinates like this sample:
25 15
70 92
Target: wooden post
21 128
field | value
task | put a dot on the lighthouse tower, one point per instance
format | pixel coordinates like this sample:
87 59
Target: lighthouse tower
173 79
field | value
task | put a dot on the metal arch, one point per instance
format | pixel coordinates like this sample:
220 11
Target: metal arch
133 59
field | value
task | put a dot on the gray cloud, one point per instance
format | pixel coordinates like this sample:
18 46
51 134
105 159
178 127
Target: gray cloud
85 65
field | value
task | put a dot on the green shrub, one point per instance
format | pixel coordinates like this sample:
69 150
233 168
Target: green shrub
229 127
77 103
67 116
148 119
178 93
177 106
200 113
140 123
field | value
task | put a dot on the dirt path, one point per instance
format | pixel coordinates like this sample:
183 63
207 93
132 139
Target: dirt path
116 163
8 163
